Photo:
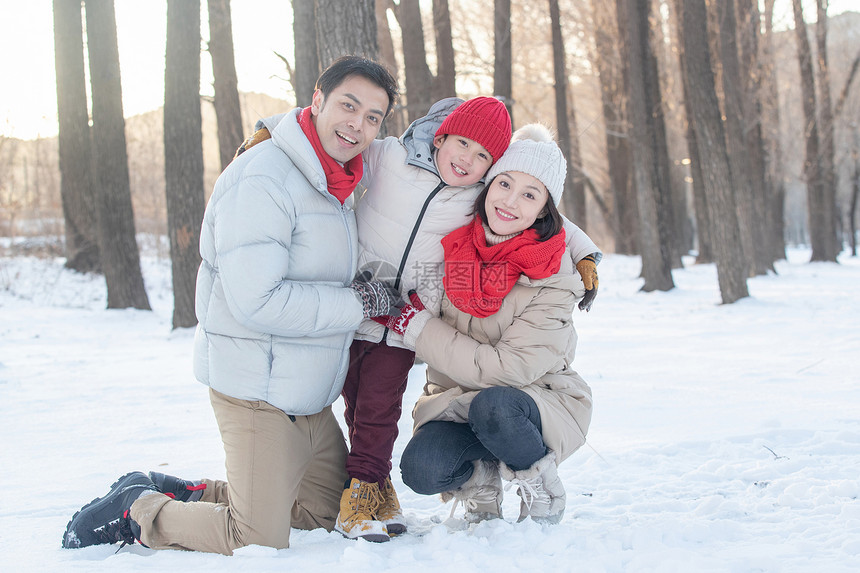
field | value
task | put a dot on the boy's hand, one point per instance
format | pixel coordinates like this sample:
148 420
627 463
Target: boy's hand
588 271
400 323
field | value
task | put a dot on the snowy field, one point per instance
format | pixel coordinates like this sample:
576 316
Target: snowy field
725 438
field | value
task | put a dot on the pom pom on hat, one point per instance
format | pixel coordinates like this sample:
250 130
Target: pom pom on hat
534 151
482 119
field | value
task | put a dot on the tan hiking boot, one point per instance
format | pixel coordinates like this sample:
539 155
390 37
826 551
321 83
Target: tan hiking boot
389 510
358 506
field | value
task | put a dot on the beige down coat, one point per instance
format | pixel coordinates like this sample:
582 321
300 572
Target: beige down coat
528 344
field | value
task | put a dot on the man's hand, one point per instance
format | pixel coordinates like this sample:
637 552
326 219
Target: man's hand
377 298
588 271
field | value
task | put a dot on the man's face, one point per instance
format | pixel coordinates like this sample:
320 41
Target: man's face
350 117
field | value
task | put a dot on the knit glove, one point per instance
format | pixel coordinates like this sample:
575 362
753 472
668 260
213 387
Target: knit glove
377 298
587 268
410 322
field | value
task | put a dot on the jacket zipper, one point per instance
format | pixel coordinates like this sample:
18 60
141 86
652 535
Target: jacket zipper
412 236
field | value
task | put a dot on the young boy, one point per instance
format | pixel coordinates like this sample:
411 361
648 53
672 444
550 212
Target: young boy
419 187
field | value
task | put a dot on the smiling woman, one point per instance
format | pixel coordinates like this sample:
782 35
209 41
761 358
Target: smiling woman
28 95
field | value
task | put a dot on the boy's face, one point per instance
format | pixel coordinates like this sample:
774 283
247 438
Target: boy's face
461 161
348 119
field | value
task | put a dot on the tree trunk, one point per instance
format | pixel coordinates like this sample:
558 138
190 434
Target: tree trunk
711 143
502 74
852 215
574 197
819 217
227 108
610 65
700 199
183 153
119 253
773 149
307 56
734 133
395 123
77 188
419 80
825 116
749 28
657 129
656 269
445 69
345 28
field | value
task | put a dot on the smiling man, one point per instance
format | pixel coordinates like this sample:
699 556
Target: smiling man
277 307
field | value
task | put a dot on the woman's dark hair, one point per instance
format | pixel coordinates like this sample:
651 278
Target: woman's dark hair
547 226
347 66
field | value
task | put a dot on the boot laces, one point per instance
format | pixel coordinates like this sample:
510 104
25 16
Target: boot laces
116 530
480 495
529 490
366 498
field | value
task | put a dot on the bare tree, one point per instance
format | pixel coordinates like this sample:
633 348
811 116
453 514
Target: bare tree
711 142
119 252
574 198
734 133
307 56
651 32
345 28
610 64
775 208
825 116
77 188
502 72
394 123
419 80
700 200
445 68
820 216
183 153
749 32
227 108
633 22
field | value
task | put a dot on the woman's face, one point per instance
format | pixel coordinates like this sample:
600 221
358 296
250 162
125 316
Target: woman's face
514 201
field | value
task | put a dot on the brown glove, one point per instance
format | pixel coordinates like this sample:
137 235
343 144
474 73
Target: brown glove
258 136
587 268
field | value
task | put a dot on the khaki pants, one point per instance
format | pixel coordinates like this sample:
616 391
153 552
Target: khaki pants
280 474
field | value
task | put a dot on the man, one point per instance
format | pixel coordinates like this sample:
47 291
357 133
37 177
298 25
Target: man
277 308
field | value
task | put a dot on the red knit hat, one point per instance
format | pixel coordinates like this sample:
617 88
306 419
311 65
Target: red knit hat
482 119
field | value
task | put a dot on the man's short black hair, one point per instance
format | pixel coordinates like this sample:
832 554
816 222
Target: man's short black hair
347 66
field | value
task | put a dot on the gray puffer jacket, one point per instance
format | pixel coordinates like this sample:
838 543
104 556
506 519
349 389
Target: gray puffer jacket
275 316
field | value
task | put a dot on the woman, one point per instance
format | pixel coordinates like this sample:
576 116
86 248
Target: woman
501 399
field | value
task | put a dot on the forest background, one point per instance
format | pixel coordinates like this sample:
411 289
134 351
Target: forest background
637 181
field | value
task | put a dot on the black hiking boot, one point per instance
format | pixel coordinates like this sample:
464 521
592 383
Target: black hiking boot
105 519
177 488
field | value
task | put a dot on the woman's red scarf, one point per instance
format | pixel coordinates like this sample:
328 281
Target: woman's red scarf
478 276
341 179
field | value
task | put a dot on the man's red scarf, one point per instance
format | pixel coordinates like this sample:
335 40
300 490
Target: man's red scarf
341 179
478 276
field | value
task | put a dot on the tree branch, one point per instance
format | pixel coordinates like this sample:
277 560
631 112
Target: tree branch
840 103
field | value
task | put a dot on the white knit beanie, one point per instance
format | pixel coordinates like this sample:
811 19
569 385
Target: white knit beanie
534 151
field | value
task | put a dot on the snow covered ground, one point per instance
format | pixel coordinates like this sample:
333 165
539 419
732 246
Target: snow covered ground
725 437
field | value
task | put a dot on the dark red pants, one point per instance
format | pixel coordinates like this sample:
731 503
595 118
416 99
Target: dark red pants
373 393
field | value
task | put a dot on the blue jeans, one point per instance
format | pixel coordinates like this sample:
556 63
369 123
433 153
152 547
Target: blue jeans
504 424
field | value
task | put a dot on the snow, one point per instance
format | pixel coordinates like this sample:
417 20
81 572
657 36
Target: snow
725 437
